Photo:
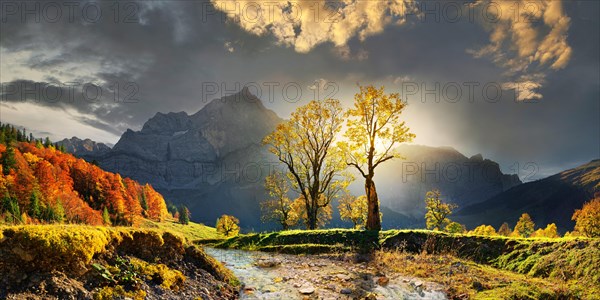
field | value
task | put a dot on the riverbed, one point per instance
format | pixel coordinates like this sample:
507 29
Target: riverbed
282 276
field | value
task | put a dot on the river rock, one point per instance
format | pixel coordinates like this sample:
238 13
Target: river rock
23 255
343 277
306 290
383 281
477 286
346 291
267 263
417 283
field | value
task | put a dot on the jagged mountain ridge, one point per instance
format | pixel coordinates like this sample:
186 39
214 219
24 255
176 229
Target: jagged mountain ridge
83 147
549 200
204 136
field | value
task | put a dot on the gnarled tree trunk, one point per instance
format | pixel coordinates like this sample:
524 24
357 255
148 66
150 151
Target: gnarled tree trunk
373 219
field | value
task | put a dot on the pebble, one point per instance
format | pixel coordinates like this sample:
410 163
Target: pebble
343 277
307 290
477 286
418 283
267 263
346 291
383 281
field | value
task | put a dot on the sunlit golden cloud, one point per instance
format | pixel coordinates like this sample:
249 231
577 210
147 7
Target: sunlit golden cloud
528 38
305 24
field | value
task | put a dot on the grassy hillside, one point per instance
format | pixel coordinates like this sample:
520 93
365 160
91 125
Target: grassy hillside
481 266
41 261
192 231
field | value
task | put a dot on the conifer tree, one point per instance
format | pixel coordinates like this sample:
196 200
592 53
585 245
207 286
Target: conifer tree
525 226
59 212
504 229
8 159
34 206
184 215
106 217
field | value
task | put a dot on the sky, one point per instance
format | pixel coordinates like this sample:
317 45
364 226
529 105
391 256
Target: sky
517 81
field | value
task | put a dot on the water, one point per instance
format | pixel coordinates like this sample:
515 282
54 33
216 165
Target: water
327 277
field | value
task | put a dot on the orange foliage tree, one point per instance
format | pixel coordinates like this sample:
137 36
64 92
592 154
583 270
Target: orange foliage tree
47 185
587 219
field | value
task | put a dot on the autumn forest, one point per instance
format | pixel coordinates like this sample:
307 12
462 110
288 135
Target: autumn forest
41 184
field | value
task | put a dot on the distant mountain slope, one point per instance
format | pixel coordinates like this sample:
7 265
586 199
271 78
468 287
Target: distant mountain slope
549 200
403 183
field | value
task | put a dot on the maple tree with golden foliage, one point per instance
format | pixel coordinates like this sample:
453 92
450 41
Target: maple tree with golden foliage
374 129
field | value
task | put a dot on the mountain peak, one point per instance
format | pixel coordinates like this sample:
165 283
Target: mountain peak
243 98
173 114
241 108
86 146
167 123
477 157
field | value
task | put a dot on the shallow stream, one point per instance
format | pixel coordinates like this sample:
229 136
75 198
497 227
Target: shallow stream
281 276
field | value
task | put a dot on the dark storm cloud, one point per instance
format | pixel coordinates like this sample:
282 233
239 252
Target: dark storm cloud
161 59
154 56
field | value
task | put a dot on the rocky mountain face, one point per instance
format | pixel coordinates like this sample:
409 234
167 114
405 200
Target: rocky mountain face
84 147
213 161
550 200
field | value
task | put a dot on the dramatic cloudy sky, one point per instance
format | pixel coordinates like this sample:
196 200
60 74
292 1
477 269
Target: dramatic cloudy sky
517 81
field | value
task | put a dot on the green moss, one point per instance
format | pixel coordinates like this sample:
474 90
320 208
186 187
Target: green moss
520 290
305 248
58 245
349 239
575 261
110 293
168 278
69 248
